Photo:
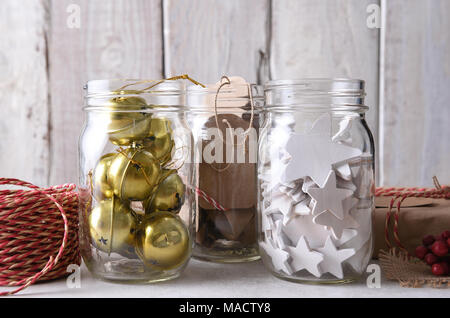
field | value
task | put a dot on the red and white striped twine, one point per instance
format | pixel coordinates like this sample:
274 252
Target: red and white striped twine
210 200
34 226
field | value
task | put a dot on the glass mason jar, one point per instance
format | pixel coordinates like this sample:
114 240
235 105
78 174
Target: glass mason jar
224 124
315 181
135 171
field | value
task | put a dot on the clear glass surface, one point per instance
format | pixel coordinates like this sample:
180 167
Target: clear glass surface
135 177
307 123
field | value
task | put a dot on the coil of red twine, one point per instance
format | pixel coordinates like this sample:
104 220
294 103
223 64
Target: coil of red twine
38 233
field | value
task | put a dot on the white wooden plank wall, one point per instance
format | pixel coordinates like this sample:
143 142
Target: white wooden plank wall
326 38
44 64
208 39
116 39
24 104
416 112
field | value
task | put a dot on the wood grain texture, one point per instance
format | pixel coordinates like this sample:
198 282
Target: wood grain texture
44 65
416 127
23 91
208 39
327 39
116 39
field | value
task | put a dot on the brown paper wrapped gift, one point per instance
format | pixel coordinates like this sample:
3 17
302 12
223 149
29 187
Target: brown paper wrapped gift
418 217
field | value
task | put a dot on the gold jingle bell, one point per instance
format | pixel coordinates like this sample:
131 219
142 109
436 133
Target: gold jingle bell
162 241
112 226
101 186
159 140
169 196
133 174
127 124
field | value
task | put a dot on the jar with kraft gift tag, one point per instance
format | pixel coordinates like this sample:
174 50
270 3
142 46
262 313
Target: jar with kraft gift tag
224 118
315 181
135 171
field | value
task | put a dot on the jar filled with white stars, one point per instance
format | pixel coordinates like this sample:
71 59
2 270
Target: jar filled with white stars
316 181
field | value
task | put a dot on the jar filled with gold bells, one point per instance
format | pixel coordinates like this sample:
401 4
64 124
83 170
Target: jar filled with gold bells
224 118
135 171
316 181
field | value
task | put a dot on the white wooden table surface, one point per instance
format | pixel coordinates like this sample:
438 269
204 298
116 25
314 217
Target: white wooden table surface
208 280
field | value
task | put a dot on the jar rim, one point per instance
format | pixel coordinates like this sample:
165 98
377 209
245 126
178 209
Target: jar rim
314 93
166 94
106 87
345 84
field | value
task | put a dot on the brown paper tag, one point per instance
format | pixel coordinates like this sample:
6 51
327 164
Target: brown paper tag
232 185
384 202
232 223
234 95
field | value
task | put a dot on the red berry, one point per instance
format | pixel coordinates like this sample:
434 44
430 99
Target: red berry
428 240
438 238
439 269
439 248
446 234
421 251
448 242
431 259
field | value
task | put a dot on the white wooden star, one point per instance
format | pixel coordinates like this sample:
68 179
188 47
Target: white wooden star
293 189
298 195
329 197
283 204
278 257
277 217
304 226
301 208
267 224
304 258
337 226
314 153
308 183
271 209
279 237
291 185
264 191
284 189
333 258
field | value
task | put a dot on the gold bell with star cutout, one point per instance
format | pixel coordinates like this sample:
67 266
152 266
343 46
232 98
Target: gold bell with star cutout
159 140
112 226
102 188
162 241
128 121
169 196
133 173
